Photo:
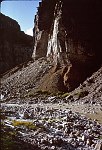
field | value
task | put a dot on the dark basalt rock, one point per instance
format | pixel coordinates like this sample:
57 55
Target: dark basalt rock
68 33
15 46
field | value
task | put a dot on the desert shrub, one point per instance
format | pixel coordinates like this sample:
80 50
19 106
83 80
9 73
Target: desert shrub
59 94
32 94
65 95
43 92
7 142
39 92
26 124
82 94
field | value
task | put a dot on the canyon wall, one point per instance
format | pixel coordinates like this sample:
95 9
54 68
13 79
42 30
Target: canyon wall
15 46
68 33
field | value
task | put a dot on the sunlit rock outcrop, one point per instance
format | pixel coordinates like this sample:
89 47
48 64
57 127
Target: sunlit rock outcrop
68 33
15 46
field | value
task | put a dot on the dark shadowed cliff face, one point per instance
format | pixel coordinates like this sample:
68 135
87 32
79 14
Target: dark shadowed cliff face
69 33
15 45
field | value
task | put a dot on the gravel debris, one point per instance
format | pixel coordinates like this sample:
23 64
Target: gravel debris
55 129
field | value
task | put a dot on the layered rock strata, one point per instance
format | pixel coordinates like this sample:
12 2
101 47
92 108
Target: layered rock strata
15 46
68 33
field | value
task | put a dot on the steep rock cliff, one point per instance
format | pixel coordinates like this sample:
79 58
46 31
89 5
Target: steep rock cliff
15 46
68 33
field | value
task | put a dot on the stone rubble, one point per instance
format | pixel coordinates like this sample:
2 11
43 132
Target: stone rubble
56 129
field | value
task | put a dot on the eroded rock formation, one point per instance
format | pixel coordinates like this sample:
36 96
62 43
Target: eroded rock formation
68 33
15 46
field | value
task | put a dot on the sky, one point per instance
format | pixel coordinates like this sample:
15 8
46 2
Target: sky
22 11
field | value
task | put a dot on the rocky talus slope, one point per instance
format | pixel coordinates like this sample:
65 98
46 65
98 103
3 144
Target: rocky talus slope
15 46
46 121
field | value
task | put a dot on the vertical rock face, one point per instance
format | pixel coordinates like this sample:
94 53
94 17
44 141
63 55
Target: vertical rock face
43 22
15 46
68 32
